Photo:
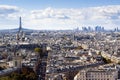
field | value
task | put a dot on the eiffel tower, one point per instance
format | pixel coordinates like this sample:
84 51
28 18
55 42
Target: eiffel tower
20 25
19 33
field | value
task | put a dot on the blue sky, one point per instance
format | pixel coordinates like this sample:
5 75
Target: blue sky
38 4
59 14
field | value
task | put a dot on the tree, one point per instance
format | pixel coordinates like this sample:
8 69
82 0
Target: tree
25 73
39 52
28 74
31 76
16 76
5 78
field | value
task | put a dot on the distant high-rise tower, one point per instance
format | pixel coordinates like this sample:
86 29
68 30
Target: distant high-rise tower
20 24
20 32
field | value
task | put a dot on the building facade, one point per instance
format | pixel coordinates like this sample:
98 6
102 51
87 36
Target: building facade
97 75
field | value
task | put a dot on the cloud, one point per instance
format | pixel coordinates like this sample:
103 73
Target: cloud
48 13
63 18
104 12
107 16
7 11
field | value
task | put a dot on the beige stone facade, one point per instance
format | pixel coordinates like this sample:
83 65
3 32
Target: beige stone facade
97 75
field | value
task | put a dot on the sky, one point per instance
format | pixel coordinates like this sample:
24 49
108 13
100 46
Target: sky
59 14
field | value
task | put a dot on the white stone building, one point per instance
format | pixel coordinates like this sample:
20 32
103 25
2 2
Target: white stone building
97 75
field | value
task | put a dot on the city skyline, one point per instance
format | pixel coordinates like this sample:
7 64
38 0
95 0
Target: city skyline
59 14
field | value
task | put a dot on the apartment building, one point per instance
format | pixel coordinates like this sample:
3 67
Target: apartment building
97 75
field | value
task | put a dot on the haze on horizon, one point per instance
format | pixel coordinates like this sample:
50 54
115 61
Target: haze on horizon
59 14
